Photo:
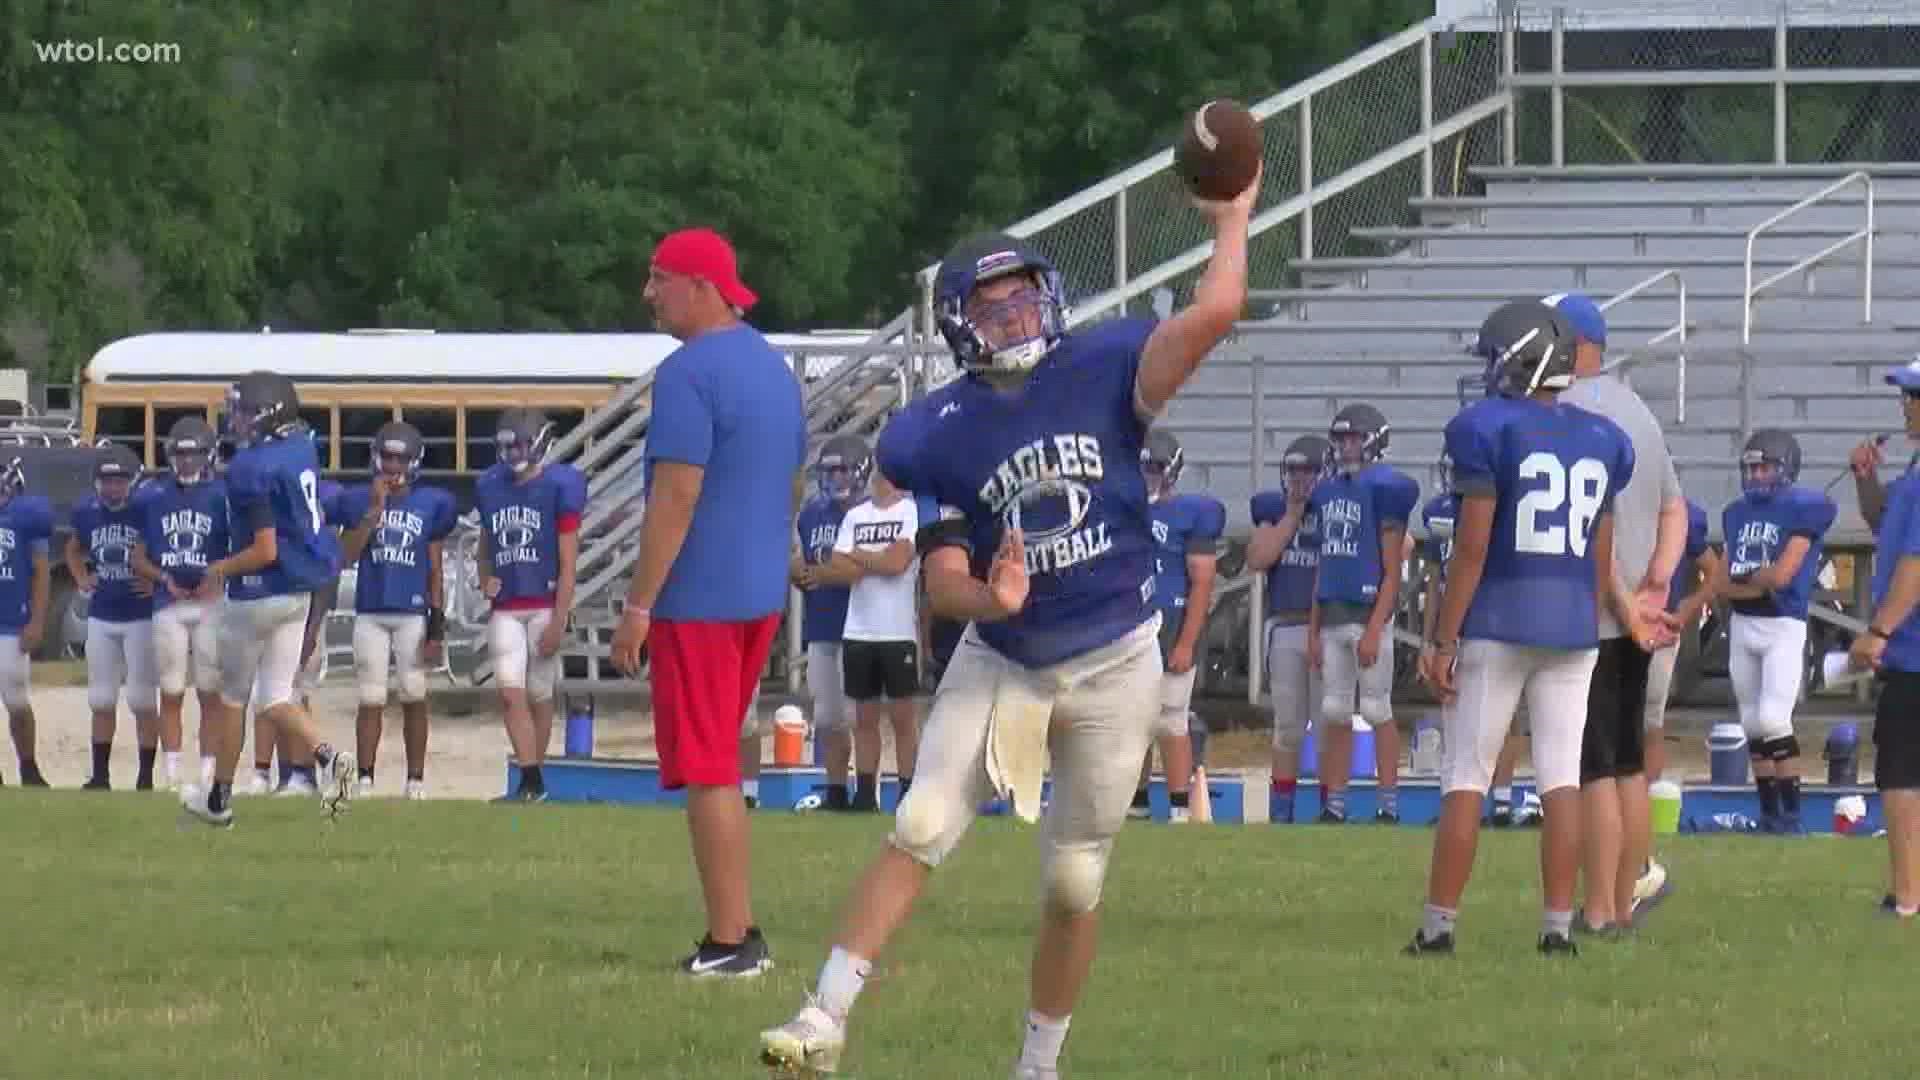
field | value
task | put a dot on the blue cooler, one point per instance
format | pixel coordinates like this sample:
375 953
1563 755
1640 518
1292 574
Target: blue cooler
1727 753
1843 755
1362 766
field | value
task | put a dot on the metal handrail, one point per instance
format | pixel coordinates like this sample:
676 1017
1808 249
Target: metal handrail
1865 235
1677 330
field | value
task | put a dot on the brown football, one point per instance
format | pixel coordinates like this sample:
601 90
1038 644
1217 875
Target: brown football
1219 149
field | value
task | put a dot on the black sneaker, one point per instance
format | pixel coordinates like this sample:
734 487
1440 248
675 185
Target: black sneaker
33 778
1386 817
1421 945
748 959
753 801
96 783
523 795
1558 945
1501 818
1329 817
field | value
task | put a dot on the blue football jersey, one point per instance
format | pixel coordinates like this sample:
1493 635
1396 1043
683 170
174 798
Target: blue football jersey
522 526
1183 525
1896 539
396 567
108 537
1058 459
1553 470
1290 581
1696 547
823 609
1757 528
276 484
1353 510
184 529
26 526
1442 516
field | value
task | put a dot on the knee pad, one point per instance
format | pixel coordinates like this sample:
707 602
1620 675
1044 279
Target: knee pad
1376 711
373 692
103 698
1172 721
926 826
1074 875
1779 748
1336 715
413 687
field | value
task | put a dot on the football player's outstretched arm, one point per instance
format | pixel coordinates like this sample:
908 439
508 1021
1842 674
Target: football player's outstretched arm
1176 346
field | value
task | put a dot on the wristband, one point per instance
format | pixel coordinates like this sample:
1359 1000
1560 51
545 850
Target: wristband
436 624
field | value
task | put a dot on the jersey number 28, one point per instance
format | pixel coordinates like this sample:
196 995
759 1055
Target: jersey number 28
1579 488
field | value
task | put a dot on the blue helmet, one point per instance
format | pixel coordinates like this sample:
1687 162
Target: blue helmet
986 257
399 439
842 469
1305 452
1526 346
1163 456
522 438
1770 446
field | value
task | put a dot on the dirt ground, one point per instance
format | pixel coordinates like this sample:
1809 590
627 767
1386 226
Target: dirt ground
467 752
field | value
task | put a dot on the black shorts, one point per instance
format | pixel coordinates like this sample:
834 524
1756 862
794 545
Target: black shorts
1615 743
1896 732
871 670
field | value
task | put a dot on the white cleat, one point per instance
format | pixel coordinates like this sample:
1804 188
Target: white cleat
261 784
416 791
193 808
339 780
807 1045
298 787
1034 1072
363 788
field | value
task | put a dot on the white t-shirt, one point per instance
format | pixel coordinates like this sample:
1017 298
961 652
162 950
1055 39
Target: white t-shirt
882 608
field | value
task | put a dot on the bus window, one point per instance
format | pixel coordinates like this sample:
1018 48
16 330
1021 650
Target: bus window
565 420
124 424
164 417
481 427
358 425
439 435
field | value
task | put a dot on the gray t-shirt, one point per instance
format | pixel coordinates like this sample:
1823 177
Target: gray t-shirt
1636 510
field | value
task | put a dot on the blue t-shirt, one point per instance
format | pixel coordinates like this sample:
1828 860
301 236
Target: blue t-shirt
1696 547
1899 538
1758 525
726 402
1183 525
1442 516
1553 471
184 530
275 485
1059 459
1290 581
26 525
823 609
396 567
1354 509
522 523
108 536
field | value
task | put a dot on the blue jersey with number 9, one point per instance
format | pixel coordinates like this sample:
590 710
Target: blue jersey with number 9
1553 471
276 484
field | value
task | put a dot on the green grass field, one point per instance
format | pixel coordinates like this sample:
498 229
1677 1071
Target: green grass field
466 940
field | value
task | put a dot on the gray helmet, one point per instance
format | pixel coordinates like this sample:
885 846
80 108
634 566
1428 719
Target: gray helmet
1360 419
842 468
191 446
1162 453
1770 446
1306 452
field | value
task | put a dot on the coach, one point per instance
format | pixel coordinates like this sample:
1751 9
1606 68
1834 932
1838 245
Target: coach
1649 536
727 436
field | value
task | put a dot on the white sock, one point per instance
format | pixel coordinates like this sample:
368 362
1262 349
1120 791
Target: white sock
172 758
1045 1037
206 767
841 979
750 788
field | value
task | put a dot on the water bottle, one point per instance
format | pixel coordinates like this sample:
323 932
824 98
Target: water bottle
580 727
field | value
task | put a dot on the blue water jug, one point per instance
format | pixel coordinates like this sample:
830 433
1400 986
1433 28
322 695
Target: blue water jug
580 727
1843 755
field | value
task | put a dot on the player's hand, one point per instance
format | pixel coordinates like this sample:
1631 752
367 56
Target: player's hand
1865 459
1007 580
1313 651
491 587
1651 637
30 636
378 493
430 651
552 636
1181 660
176 592
805 579
1436 670
1866 653
1368 651
1237 209
628 639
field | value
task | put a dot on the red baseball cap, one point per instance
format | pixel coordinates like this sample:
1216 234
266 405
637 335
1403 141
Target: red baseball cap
705 254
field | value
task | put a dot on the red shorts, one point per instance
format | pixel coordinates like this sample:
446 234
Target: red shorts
703 676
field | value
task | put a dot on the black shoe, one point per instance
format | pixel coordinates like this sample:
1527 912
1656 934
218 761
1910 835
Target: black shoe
1421 945
523 795
1328 817
33 779
1501 818
96 783
753 801
143 784
746 960
1386 817
1558 945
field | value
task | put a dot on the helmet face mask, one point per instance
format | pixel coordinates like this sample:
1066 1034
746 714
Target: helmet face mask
999 304
13 480
1161 461
521 440
190 448
1769 463
1304 465
398 452
842 470
114 475
1358 437
1526 347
